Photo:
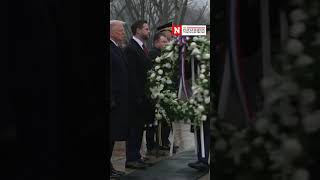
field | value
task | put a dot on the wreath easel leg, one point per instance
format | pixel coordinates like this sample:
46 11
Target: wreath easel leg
195 140
202 140
172 139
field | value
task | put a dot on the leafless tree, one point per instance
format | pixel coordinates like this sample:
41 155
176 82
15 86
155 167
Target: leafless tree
156 12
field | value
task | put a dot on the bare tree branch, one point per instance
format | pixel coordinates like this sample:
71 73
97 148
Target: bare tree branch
183 11
118 12
202 11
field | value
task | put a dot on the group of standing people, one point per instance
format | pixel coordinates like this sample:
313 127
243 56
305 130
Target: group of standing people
131 111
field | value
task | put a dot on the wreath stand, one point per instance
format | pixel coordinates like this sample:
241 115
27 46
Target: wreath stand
195 128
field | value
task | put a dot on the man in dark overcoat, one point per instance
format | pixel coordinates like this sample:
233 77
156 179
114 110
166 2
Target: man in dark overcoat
119 90
140 108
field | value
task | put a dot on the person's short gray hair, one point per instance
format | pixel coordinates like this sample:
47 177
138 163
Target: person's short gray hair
115 23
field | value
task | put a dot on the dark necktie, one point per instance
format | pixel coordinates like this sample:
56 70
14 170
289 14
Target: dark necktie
145 49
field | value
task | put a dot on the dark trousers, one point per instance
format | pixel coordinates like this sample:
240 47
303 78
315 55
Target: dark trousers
110 153
206 133
150 134
133 144
165 133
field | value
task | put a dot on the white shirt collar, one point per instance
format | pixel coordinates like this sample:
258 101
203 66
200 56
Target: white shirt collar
114 42
138 41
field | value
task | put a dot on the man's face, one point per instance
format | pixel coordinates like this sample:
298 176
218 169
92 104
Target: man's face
161 42
168 35
144 32
118 33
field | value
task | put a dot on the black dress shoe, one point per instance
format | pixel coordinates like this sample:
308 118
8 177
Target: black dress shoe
145 158
201 166
136 165
156 152
113 175
145 162
118 172
166 148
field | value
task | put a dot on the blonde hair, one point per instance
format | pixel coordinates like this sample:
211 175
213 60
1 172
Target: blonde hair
114 23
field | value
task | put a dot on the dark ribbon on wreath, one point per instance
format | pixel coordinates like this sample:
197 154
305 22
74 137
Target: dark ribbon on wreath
182 43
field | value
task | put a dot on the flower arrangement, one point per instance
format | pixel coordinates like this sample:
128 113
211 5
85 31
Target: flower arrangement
166 77
283 143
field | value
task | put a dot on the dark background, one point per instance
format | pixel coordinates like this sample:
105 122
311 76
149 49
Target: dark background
54 124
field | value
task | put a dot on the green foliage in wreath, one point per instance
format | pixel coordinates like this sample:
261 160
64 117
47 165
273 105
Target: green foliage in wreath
164 79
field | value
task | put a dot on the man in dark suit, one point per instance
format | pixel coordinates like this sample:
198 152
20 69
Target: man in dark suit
140 108
166 30
159 42
119 90
202 163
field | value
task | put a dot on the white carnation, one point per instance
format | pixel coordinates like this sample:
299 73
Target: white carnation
203 117
207 100
168 47
158 78
202 76
291 88
191 101
203 66
195 51
206 92
168 65
291 148
268 82
161 96
193 45
206 56
298 15
153 96
304 60
205 80
200 89
153 75
160 71
158 59
300 174
157 67
294 47
262 125
201 108
297 29
198 57
203 70
273 97
257 141
200 99
161 86
158 116
169 81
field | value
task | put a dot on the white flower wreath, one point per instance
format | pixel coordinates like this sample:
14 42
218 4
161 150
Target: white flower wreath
164 81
